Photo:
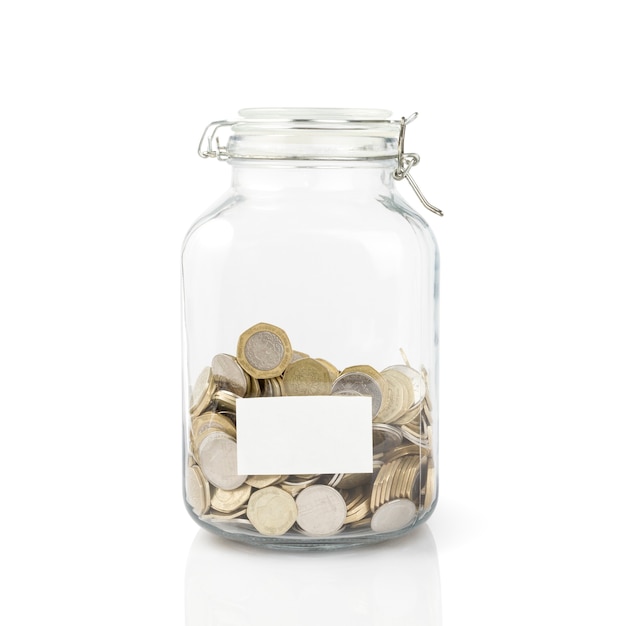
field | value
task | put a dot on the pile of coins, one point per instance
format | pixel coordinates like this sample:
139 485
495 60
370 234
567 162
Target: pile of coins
400 488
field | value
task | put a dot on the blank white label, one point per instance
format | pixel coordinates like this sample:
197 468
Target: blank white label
304 435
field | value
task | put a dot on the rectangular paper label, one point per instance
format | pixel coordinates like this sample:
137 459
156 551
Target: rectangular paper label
304 435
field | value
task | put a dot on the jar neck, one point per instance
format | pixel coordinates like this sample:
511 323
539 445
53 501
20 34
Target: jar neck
335 176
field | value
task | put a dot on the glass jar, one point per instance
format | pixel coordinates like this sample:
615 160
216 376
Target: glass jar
310 314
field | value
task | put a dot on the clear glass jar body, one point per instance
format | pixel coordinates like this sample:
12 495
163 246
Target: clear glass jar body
332 255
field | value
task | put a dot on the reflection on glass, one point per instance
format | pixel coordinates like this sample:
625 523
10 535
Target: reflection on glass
231 584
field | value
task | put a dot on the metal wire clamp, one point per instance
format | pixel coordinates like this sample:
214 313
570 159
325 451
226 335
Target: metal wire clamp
210 147
406 161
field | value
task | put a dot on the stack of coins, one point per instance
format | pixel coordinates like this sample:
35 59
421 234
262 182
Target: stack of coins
400 490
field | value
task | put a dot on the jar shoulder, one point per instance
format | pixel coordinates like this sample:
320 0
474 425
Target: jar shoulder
253 215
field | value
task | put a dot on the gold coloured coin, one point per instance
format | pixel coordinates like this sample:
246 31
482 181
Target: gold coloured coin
227 501
205 400
212 420
431 485
264 351
397 397
306 377
332 370
224 517
225 400
200 388
272 511
264 480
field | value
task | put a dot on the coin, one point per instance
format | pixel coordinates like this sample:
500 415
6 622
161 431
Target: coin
431 485
264 351
205 400
217 457
332 370
413 433
200 388
397 398
228 374
417 380
225 400
365 381
393 515
212 420
224 517
403 478
195 490
272 511
306 377
295 484
385 437
348 481
321 510
265 480
229 500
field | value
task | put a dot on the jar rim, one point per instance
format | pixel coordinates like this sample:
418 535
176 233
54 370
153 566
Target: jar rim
313 133
315 114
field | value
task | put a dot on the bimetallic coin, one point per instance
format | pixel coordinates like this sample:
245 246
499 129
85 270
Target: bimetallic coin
393 515
306 377
321 510
264 351
217 457
272 511
363 380
229 375
227 501
212 420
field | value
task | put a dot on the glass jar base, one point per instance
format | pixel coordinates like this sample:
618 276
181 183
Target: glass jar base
298 541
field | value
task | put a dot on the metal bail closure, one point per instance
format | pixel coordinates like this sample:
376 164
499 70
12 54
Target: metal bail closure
205 147
406 162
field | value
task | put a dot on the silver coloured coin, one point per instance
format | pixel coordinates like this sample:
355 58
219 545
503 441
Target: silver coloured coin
217 457
321 510
361 384
264 350
195 490
393 515
228 374
386 437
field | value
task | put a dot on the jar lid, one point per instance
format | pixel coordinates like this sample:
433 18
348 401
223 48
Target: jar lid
312 134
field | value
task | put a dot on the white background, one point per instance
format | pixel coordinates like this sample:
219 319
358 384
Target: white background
522 137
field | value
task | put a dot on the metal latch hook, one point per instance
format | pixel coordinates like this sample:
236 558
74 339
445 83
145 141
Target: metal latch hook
406 161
